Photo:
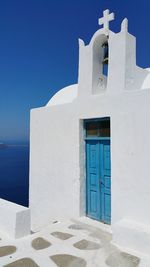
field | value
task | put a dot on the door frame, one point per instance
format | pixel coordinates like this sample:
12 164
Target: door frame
93 138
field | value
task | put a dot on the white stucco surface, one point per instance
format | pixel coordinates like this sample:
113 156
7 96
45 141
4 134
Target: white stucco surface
127 232
64 96
57 153
146 82
15 219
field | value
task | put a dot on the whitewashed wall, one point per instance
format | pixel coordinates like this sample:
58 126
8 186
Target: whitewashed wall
15 220
57 159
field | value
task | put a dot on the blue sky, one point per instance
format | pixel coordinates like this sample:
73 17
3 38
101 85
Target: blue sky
39 50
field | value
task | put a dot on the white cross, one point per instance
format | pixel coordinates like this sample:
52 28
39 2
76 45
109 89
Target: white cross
106 19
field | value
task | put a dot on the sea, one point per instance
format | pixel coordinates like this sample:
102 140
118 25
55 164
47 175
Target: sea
14 174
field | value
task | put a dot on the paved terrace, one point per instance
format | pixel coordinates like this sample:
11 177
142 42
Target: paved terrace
75 243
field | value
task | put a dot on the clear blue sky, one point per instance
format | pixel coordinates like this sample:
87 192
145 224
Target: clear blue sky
39 50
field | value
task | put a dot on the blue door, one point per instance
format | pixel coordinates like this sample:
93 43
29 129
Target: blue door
98 180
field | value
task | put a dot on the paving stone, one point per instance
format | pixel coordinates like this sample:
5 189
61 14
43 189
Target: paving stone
62 236
86 245
7 250
40 243
25 262
122 259
65 260
76 227
133 259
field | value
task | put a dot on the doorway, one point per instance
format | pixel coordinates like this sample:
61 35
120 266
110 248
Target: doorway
98 170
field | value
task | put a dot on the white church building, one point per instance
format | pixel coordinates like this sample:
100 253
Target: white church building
89 146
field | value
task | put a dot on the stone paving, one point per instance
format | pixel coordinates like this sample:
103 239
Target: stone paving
69 244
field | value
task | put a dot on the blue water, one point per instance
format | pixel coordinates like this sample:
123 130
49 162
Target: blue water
14 174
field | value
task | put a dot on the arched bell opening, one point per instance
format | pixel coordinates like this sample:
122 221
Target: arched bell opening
105 58
100 64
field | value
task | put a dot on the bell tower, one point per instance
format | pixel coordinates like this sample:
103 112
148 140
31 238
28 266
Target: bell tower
94 59
107 65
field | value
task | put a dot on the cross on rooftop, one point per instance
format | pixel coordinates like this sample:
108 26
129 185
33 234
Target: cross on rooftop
106 19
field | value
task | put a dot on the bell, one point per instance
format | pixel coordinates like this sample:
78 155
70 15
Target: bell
105 59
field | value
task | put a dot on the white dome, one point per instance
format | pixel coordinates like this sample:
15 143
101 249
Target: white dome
64 96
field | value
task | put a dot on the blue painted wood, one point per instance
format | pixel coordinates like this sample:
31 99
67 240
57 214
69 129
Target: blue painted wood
105 181
93 185
98 180
97 138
